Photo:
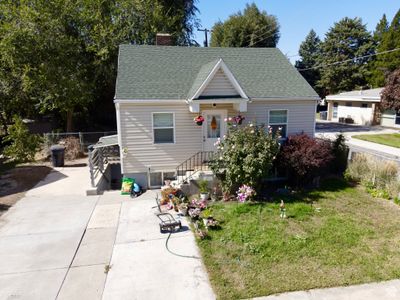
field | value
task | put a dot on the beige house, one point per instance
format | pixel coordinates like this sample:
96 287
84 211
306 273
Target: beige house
161 89
356 107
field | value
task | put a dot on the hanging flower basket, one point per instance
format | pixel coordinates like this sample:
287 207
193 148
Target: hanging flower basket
238 119
199 120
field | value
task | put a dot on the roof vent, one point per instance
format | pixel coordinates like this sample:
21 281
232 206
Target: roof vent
164 39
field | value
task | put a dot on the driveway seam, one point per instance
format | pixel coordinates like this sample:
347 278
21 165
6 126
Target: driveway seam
77 248
112 252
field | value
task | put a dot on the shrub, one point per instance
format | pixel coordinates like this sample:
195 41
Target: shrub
245 156
203 186
303 156
380 177
23 145
340 152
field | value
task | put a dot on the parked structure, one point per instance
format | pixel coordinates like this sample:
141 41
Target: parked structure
356 107
160 90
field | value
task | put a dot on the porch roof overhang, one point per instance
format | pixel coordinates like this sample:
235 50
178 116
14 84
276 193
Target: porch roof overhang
239 104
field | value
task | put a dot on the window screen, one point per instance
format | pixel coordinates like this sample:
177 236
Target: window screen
163 128
278 119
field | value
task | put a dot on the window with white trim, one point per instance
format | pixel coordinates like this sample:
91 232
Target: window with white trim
277 119
163 128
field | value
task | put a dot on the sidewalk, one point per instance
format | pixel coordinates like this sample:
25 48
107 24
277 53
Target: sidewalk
388 290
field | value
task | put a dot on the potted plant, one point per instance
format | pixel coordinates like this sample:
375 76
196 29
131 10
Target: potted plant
199 120
203 189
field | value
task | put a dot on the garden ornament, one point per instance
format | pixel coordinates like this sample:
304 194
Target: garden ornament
282 209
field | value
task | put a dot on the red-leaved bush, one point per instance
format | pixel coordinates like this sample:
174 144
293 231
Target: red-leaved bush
303 156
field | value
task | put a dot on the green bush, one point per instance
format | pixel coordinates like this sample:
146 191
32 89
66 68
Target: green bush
380 177
23 145
245 156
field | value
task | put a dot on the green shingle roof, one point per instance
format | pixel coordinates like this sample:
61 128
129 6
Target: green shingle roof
165 72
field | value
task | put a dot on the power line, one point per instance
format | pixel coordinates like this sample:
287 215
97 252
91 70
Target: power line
258 30
269 31
347 60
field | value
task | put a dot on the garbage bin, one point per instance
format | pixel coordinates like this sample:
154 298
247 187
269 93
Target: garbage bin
57 155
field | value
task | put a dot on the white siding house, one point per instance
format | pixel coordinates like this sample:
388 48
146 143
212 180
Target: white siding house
160 90
355 107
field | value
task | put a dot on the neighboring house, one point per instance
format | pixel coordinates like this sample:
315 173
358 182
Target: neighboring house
161 89
356 107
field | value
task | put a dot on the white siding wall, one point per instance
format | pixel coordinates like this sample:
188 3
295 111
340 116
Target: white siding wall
388 119
142 153
360 115
137 138
301 114
219 86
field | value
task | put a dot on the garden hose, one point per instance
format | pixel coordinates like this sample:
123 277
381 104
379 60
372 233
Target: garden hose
176 254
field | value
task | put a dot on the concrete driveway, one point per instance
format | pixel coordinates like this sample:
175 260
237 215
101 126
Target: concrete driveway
39 236
56 243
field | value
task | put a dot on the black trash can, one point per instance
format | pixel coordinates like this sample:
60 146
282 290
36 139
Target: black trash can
57 155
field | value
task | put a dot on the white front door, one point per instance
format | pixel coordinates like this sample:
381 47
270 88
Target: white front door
214 127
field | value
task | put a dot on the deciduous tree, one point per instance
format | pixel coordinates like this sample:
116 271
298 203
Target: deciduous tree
391 92
250 28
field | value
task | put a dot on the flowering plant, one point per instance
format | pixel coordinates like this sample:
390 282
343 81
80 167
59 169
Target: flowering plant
199 118
194 212
245 193
198 203
238 119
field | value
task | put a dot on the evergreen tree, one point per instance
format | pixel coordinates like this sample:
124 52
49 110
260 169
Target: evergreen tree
388 62
381 28
346 40
252 28
310 50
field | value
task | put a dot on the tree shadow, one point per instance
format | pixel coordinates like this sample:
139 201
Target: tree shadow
333 184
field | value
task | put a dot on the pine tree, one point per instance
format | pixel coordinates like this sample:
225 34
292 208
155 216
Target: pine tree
310 50
346 40
388 62
381 28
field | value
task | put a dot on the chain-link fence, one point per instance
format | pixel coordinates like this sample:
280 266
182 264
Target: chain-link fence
85 138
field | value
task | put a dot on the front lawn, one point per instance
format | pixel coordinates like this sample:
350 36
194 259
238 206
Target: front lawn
345 237
392 140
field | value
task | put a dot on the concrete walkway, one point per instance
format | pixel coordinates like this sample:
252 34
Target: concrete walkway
389 290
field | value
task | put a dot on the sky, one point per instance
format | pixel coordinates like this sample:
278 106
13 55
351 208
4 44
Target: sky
298 17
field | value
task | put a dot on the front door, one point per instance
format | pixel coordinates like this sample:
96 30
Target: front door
214 127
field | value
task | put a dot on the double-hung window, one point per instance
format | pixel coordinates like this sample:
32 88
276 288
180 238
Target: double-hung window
163 128
277 119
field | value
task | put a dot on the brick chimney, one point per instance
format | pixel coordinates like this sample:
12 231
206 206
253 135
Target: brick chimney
164 39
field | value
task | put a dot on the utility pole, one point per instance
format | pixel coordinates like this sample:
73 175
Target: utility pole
206 31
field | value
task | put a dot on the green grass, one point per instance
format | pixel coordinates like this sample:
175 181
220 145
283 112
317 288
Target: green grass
384 139
345 237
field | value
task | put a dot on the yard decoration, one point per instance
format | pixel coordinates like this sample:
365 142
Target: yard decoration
199 120
282 209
